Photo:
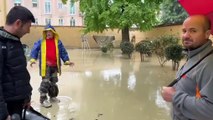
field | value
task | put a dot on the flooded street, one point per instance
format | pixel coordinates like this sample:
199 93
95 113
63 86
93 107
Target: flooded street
108 86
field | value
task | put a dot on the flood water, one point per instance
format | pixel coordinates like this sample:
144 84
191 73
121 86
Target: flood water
108 86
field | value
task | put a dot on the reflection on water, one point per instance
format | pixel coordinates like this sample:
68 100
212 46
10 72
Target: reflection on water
113 74
88 73
131 81
109 87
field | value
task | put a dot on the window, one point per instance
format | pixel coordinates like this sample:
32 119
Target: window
60 5
47 21
35 3
72 22
47 6
61 21
72 8
17 3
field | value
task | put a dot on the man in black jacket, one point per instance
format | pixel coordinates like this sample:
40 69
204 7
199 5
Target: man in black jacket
15 88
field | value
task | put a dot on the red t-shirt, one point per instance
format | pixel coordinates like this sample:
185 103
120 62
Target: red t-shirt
51 52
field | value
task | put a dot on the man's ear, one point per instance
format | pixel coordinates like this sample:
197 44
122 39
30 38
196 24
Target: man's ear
18 23
207 34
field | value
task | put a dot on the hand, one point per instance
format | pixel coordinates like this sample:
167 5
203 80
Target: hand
31 63
8 117
27 105
69 63
167 93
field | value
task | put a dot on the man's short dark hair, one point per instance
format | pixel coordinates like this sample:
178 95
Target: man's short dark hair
21 13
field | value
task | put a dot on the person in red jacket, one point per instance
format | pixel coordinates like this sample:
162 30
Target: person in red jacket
49 50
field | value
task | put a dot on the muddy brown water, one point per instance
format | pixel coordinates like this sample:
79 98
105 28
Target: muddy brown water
108 87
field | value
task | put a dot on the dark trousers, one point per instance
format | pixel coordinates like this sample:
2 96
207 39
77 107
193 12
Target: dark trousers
49 80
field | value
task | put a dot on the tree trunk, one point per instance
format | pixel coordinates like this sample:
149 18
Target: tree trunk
173 65
125 34
129 55
177 66
142 57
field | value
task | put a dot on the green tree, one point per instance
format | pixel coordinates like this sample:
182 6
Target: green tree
174 52
172 13
127 48
160 44
144 47
100 15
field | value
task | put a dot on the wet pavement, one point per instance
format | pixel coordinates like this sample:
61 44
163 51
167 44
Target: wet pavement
108 86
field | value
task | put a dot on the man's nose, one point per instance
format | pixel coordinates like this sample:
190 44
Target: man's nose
186 34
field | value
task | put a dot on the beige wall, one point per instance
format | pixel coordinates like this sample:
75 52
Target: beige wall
71 36
156 32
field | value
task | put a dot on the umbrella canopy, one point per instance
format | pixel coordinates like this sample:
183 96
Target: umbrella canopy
204 7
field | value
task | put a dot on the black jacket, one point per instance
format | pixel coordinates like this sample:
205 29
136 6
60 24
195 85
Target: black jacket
14 76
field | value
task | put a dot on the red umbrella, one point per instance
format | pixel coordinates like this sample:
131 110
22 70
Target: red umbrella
204 7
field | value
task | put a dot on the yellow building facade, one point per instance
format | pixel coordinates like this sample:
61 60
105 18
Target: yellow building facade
2 12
